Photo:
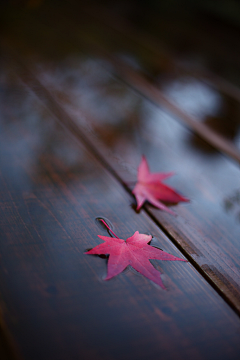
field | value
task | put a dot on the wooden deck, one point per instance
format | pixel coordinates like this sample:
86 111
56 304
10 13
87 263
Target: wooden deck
85 91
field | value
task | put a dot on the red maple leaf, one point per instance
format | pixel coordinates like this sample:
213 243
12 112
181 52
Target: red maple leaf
150 188
135 252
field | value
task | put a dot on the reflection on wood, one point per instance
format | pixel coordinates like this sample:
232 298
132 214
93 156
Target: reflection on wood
145 88
47 223
186 230
71 139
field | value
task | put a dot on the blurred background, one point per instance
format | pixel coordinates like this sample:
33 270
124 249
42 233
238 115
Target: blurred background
86 88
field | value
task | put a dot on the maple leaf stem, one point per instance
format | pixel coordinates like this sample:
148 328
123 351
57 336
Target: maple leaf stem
108 228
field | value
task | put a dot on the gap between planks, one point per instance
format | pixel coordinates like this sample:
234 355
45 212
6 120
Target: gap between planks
143 87
108 19
64 119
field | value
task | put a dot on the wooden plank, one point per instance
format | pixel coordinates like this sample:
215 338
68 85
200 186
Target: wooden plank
56 304
155 60
153 94
219 133
159 56
217 260
210 180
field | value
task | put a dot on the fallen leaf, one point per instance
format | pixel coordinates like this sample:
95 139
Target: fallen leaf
150 188
135 252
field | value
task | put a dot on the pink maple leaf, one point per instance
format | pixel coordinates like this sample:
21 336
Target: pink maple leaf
135 252
150 188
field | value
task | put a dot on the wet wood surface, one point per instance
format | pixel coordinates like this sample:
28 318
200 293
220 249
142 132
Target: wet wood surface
73 129
216 259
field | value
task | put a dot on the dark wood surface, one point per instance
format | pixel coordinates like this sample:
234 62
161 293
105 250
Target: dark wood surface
72 133
212 202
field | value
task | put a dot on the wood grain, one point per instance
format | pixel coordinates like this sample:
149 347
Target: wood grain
196 230
208 227
200 239
56 303
71 138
